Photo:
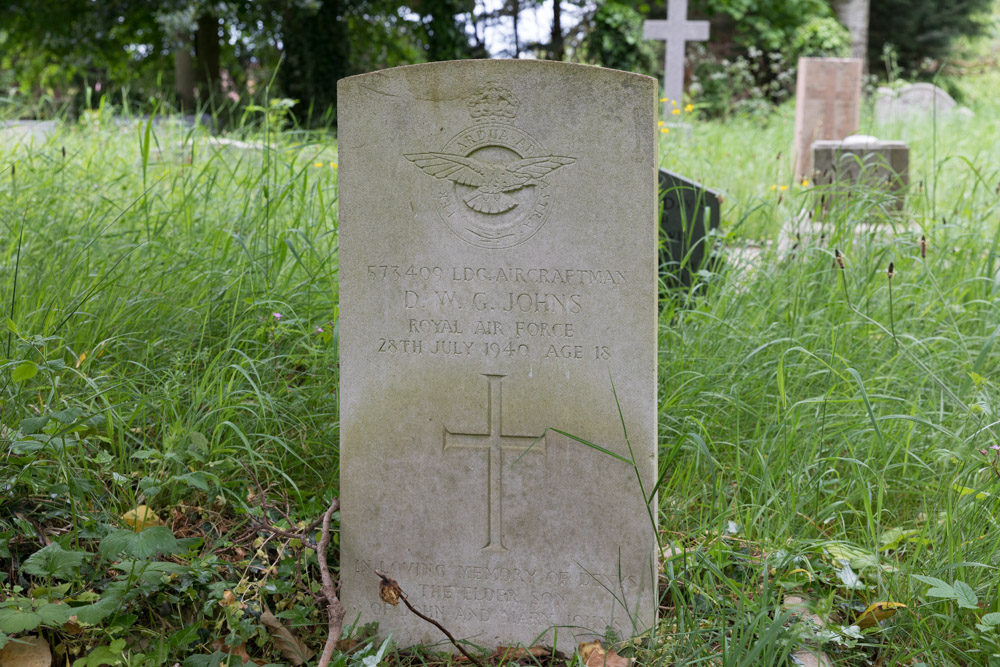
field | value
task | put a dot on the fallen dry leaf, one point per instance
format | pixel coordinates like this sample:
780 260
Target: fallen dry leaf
240 651
594 655
877 612
285 641
26 652
141 517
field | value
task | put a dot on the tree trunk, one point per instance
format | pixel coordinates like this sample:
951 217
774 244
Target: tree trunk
184 72
556 49
515 10
207 50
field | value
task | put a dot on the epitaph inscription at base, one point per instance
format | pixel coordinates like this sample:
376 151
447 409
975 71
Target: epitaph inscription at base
497 273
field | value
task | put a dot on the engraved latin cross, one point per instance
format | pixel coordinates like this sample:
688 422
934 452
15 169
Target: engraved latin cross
676 31
497 443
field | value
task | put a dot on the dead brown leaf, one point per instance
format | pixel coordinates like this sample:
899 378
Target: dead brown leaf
290 646
26 652
594 655
240 651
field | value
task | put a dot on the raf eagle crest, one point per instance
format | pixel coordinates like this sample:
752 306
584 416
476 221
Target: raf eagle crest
492 181
493 189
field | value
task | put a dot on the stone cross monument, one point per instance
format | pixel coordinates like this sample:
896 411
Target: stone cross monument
676 31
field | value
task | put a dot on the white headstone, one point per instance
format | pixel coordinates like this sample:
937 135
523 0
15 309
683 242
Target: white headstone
676 31
913 101
497 272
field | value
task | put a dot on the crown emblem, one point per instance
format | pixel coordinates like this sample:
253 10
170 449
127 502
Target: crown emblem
494 103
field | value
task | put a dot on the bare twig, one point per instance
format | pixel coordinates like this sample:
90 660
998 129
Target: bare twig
334 610
391 593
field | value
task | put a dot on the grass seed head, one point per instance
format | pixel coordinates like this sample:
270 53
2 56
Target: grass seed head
923 247
838 258
891 273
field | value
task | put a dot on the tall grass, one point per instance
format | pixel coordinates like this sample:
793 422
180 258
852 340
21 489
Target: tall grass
175 313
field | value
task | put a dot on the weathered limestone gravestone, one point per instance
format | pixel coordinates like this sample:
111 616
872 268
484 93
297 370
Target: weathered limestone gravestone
689 211
827 105
913 101
676 31
863 160
497 272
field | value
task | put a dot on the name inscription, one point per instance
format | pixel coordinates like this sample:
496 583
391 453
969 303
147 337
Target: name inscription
465 311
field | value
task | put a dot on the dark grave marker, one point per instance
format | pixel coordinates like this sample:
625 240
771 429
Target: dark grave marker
683 225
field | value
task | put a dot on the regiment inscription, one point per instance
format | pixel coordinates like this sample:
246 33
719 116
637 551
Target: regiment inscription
497 275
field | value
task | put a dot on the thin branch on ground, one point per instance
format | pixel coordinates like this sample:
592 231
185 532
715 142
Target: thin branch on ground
391 593
334 610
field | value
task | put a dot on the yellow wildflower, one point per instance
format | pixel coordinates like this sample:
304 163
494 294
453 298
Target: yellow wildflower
318 164
664 99
660 123
773 188
783 188
673 102
805 182
333 164
676 112
665 130
689 108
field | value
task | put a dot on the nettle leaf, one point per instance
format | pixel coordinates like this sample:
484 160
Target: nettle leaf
20 619
197 479
94 613
25 371
54 561
966 597
939 589
991 619
33 425
151 573
141 546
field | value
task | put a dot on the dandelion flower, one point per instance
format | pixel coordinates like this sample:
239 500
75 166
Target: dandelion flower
660 123
664 99
783 188
773 188
333 164
318 164
276 316
665 130
673 102
689 108
805 182
676 112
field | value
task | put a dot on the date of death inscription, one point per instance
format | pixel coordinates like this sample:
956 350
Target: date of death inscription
496 312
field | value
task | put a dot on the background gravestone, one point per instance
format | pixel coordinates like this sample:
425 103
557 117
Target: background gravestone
686 205
865 161
676 31
827 105
497 272
916 100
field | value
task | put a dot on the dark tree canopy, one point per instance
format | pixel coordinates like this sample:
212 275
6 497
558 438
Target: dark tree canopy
921 30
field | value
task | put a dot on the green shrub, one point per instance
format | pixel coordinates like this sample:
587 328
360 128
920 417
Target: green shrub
615 40
821 37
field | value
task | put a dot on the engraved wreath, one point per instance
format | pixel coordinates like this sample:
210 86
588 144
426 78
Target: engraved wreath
493 192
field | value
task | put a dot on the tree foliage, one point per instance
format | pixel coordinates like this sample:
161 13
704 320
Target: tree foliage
921 32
